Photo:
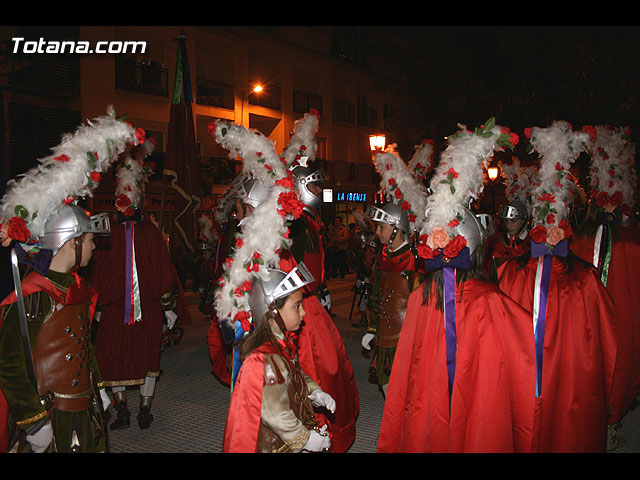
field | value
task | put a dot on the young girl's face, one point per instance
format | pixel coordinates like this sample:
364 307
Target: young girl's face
292 312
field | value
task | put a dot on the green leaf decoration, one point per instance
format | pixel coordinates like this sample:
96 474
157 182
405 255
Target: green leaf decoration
21 211
489 124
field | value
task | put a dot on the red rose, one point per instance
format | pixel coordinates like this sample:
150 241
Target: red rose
140 135
315 112
616 198
286 183
454 223
412 217
290 203
62 158
527 133
18 229
452 172
455 246
123 201
551 218
405 205
254 267
559 166
95 176
514 138
239 242
539 234
424 251
547 197
392 181
602 199
398 193
564 225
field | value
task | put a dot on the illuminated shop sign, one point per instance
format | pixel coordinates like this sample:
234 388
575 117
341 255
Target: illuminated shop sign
351 197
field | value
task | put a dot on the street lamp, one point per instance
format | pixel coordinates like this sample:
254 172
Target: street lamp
255 89
377 142
493 173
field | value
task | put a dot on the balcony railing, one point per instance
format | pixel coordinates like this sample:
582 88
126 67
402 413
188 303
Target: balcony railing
142 77
214 94
270 97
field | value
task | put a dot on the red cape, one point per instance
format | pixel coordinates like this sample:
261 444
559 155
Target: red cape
243 419
492 406
623 282
323 357
578 357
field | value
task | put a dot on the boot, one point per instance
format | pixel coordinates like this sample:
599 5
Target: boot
144 415
123 415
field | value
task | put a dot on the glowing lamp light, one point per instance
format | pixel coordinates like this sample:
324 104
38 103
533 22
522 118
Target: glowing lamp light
493 172
377 142
257 89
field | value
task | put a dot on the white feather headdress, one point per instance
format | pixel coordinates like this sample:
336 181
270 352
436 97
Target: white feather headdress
72 171
558 146
131 178
459 176
400 186
517 181
264 232
611 172
421 163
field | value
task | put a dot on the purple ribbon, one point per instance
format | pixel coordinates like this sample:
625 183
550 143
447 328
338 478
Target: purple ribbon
39 261
461 261
540 249
547 252
450 322
127 271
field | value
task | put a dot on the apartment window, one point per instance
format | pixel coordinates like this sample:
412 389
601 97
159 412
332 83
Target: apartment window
303 102
269 97
144 76
367 116
344 111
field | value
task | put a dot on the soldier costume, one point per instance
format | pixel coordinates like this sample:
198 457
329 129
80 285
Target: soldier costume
394 271
48 371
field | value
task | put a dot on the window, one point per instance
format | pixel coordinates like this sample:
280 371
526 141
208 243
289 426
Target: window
146 76
304 102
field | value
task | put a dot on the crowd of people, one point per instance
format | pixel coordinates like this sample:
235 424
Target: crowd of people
517 334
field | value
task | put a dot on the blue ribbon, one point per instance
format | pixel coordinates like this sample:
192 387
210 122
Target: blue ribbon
450 323
39 261
461 261
545 253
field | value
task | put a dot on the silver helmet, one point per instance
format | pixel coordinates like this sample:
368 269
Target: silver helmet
472 230
250 190
279 285
391 214
71 221
302 177
515 209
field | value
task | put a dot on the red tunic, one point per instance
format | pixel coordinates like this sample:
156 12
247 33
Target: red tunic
128 353
623 282
578 356
492 404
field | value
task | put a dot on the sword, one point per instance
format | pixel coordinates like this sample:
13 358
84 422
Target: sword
22 316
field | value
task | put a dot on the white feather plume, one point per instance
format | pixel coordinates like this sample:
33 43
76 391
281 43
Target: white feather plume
133 174
559 146
66 173
459 177
400 186
422 161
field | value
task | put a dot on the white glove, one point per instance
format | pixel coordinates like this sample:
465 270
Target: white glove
106 401
40 440
322 399
318 441
367 339
171 317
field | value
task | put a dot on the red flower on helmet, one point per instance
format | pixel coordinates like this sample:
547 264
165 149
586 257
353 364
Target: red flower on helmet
602 199
539 234
62 158
405 205
141 135
122 202
95 176
18 229
455 246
